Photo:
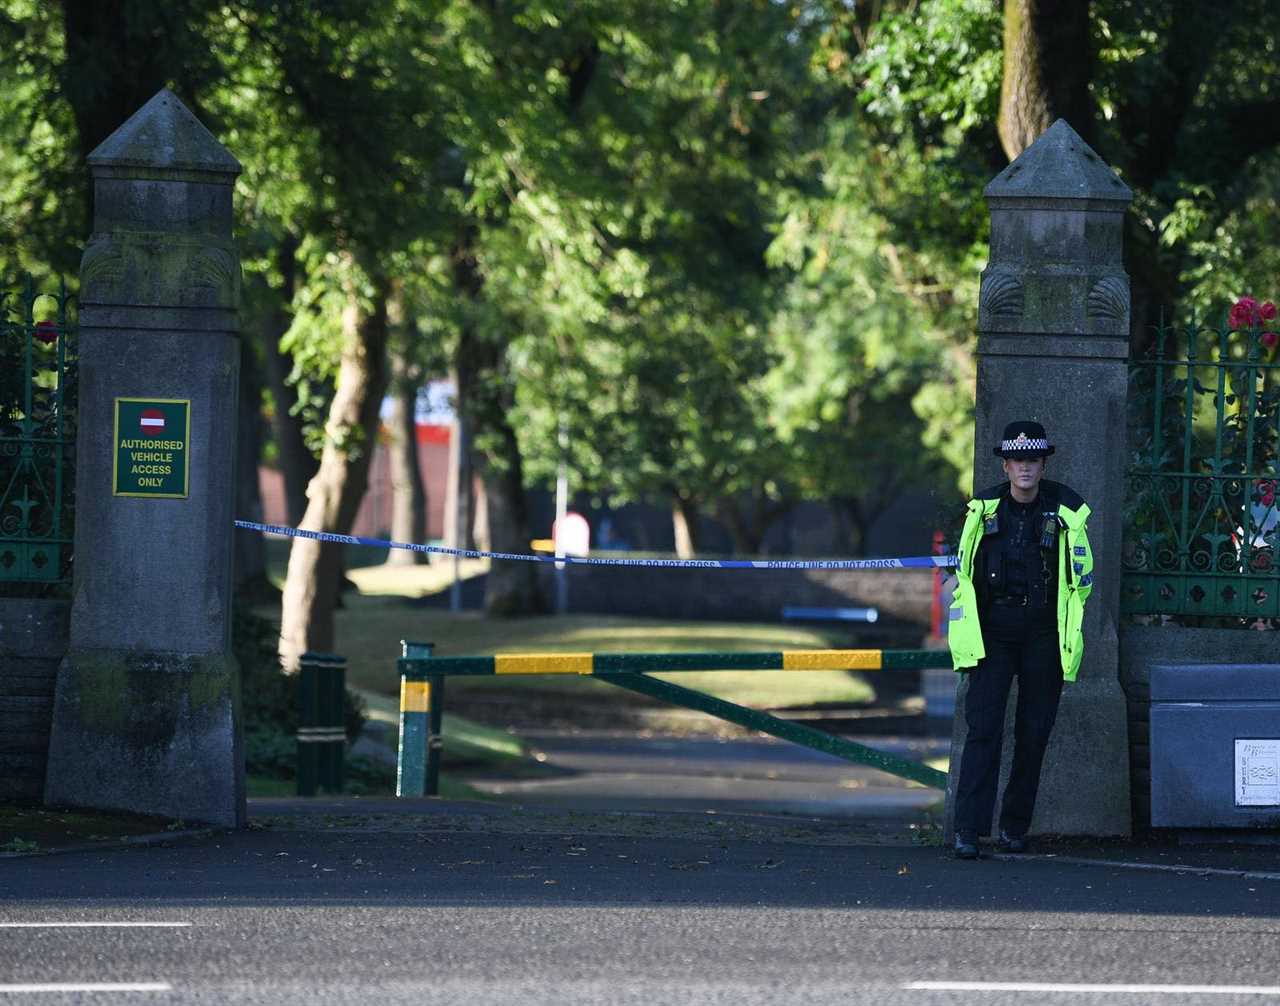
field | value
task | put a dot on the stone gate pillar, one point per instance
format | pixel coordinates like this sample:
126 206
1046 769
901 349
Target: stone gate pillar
1053 341
146 714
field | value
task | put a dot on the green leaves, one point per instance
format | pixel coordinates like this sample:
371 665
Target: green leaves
935 66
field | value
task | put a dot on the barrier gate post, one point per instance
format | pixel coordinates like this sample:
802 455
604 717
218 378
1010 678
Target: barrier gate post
421 695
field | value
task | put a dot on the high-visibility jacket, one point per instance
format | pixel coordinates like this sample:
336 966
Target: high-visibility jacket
1075 577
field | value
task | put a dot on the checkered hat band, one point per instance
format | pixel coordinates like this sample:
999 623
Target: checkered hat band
1025 444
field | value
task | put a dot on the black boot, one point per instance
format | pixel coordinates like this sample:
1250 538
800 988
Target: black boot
1011 843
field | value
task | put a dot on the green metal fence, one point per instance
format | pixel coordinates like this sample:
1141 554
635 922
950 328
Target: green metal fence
38 385
422 678
1201 516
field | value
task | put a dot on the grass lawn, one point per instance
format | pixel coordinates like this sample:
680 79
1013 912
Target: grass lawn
369 630
372 623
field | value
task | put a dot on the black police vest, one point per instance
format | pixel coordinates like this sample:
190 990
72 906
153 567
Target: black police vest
1018 554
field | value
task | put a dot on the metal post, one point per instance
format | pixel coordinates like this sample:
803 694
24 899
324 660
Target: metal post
322 735
562 508
461 512
415 722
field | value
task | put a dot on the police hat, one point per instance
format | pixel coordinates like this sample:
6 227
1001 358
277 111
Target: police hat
1024 439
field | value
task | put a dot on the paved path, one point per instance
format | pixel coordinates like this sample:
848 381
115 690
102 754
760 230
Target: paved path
606 771
367 901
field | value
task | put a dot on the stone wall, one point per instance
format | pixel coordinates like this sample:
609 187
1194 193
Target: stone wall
33 640
902 596
1142 647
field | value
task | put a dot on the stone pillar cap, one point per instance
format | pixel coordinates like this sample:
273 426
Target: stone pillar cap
163 134
1059 165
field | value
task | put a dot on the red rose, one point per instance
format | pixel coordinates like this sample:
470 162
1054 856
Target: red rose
46 332
1242 313
1268 339
1267 311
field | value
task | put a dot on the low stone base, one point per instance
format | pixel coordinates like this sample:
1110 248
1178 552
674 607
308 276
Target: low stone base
1084 785
33 641
152 733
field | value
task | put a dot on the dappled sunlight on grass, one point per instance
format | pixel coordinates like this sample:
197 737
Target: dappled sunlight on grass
605 634
413 581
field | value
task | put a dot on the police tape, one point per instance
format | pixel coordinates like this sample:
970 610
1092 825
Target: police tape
911 562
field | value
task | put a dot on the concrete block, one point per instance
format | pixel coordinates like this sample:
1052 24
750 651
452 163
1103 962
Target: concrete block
1215 746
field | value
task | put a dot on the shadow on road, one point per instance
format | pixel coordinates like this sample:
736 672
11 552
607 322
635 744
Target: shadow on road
507 857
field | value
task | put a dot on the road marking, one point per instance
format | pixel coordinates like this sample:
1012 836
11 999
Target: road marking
89 987
94 925
1200 871
1219 990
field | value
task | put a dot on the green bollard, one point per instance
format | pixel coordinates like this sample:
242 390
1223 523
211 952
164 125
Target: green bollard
419 721
322 735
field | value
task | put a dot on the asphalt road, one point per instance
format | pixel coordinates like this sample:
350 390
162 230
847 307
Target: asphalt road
604 771
419 913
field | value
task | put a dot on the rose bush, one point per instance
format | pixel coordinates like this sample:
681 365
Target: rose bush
1248 313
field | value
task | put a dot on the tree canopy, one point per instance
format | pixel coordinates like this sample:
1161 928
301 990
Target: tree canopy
727 252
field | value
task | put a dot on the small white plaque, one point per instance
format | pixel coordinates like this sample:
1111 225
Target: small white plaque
1258 772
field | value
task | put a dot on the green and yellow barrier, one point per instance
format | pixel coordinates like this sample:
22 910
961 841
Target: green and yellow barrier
422 696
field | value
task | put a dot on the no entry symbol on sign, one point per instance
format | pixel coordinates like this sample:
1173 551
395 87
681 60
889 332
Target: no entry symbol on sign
152 422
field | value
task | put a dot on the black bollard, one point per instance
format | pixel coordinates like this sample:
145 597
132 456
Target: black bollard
322 735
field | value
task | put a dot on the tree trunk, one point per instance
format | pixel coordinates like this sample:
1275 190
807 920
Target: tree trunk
853 524
334 495
745 534
249 557
748 530
297 464
486 396
511 588
118 54
479 527
459 499
1047 67
684 519
408 496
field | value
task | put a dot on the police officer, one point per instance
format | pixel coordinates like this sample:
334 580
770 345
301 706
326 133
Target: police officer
1025 570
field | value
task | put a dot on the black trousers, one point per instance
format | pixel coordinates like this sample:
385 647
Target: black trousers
1030 655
